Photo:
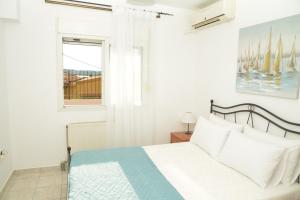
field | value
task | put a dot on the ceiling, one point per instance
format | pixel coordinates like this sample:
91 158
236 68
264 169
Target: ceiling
189 4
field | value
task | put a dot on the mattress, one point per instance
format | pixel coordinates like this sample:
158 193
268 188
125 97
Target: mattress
196 176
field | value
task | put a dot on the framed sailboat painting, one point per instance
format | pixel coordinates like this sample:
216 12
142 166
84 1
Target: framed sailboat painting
269 57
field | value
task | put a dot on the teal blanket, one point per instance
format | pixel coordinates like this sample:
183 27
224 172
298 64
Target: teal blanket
112 174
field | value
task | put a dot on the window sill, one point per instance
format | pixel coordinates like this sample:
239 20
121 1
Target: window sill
69 108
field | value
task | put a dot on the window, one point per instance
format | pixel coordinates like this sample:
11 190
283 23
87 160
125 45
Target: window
82 60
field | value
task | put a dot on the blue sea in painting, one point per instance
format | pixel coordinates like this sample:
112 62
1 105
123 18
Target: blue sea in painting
285 84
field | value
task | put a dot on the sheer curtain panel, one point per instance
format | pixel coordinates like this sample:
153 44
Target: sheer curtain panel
130 103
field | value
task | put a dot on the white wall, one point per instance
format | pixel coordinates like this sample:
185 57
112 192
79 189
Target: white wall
175 81
217 55
5 164
38 129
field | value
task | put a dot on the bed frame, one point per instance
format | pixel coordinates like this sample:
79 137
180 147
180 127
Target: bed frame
252 110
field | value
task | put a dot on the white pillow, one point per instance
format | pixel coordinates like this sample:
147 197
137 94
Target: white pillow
253 158
291 166
209 136
222 122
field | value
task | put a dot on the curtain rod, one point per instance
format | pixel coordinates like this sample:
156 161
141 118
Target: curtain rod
97 6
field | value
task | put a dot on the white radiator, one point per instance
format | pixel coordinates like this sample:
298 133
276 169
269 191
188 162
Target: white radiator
86 136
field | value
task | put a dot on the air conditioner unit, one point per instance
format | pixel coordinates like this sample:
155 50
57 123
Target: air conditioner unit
219 12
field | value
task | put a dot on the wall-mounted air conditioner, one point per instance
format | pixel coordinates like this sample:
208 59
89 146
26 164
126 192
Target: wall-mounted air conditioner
9 9
216 13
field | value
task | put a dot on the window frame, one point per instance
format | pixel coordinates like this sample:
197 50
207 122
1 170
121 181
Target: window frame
60 73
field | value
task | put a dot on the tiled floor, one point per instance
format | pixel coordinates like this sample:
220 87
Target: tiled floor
36 184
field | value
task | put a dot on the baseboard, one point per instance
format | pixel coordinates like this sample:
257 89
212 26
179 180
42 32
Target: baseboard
5 182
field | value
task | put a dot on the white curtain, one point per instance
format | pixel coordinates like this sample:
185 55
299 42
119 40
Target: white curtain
130 109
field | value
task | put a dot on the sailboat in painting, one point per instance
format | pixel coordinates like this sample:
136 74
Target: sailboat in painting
293 61
267 59
257 59
274 72
278 59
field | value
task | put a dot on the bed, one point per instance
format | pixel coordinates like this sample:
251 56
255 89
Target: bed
170 171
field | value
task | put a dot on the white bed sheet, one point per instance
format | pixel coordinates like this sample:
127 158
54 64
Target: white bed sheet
196 176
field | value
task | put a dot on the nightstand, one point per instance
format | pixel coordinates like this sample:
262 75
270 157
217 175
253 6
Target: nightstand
180 137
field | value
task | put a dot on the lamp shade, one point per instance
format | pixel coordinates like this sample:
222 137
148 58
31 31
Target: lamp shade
188 118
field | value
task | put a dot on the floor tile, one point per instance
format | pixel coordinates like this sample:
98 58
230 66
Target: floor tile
50 171
21 184
64 179
25 176
47 193
10 196
25 194
64 191
8 185
36 184
49 181
26 171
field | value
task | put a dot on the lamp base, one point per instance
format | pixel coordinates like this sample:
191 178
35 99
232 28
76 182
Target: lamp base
188 132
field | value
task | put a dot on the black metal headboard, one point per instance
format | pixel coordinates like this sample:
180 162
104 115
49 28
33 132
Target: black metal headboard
253 109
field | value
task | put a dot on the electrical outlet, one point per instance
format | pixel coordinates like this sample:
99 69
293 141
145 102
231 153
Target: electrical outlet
3 153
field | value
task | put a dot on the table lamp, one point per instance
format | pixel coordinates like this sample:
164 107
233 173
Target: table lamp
188 118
